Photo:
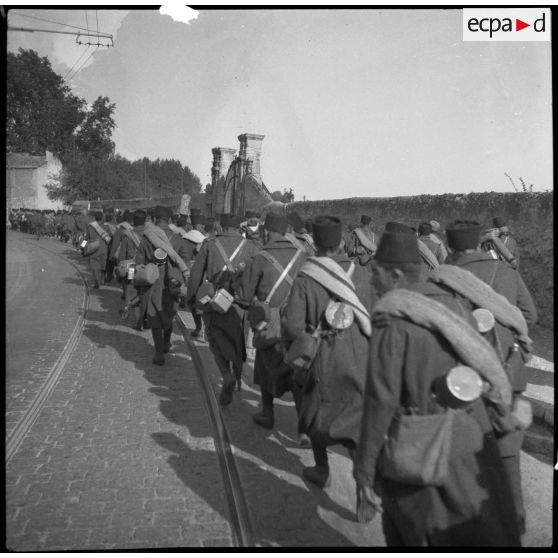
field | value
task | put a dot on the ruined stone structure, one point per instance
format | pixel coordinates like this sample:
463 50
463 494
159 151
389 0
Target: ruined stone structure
236 182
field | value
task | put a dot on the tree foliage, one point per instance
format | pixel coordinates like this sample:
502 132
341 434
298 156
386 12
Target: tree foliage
95 133
41 111
42 114
286 196
91 178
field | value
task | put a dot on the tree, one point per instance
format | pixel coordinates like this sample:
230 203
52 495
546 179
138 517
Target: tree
287 197
277 196
41 111
94 135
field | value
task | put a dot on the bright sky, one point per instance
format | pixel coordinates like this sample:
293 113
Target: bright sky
352 103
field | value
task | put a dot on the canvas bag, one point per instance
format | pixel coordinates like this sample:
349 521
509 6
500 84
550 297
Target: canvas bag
264 319
417 449
121 270
146 275
207 289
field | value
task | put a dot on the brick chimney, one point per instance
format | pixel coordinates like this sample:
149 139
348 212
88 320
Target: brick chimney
250 150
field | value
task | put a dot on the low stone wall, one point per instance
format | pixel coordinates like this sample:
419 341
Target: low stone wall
529 216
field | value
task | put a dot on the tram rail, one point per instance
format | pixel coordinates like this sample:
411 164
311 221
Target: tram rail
18 434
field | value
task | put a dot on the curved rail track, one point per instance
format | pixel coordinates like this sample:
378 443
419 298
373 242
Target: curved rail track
239 516
23 426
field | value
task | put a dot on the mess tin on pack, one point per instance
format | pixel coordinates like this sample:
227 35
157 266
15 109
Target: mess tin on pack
221 301
458 388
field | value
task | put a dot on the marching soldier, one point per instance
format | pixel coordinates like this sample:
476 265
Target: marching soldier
331 297
361 243
422 333
263 287
425 236
435 237
98 260
299 236
464 240
220 257
508 241
159 301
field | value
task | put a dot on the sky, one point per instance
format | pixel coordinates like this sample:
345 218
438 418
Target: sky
352 103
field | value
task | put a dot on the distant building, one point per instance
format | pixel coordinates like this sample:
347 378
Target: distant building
26 177
236 182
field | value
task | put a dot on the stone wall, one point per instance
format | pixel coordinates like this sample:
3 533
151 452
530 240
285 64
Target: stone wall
529 216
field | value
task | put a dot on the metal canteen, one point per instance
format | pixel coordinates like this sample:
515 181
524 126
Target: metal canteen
339 315
485 319
459 387
160 256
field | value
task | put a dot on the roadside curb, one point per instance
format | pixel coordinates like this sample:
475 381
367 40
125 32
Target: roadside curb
542 412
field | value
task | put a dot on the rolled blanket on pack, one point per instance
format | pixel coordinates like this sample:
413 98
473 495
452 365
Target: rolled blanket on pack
470 346
427 255
498 245
176 230
194 236
159 239
125 225
333 277
482 295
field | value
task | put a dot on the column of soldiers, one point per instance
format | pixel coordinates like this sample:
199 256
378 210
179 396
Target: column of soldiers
369 333
407 350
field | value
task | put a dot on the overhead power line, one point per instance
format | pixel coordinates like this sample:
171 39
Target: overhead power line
56 22
75 63
83 64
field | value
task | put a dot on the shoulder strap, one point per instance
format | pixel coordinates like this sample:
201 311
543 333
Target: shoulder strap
102 233
132 236
494 273
228 261
284 273
351 269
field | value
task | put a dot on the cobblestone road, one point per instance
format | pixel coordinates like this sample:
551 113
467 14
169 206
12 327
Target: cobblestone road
122 454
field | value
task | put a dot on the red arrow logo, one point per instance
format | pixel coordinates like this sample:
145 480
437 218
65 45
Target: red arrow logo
519 25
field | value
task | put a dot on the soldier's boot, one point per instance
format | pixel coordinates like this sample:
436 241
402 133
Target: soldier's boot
198 323
238 377
167 345
319 474
157 334
265 418
226 395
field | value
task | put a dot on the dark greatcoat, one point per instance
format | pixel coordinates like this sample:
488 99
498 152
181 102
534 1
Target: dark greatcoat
508 282
127 247
159 302
98 258
474 506
225 332
355 249
332 410
256 281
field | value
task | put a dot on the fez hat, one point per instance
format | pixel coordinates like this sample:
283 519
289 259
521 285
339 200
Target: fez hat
138 218
327 231
182 220
435 225
365 219
424 228
463 235
499 222
98 215
194 211
395 227
251 215
230 220
197 219
295 220
162 212
127 215
398 248
276 223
